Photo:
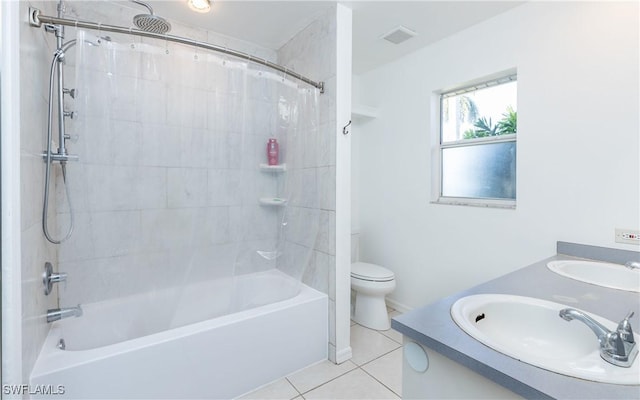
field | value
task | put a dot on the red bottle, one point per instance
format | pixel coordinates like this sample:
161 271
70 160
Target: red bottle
272 152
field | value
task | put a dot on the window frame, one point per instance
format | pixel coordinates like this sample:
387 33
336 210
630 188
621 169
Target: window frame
439 147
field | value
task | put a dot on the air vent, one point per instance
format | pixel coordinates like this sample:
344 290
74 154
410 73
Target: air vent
399 35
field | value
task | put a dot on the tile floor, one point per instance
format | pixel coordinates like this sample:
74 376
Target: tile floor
374 372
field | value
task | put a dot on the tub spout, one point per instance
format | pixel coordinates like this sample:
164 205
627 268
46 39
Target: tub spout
59 313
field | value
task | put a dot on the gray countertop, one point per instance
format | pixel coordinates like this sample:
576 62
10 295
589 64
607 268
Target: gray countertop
433 327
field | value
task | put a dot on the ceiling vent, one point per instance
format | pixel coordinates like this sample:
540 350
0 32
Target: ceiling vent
399 35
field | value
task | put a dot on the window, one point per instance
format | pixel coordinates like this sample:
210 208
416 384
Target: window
477 146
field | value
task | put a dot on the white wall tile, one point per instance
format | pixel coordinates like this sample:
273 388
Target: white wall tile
150 100
172 228
125 143
151 187
327 182
194 145
224 187
124 95
186 187
81 246
316 274
186 106
116 233
159 144
215 226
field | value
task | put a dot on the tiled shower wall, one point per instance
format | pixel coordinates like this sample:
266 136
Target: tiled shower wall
36 53
312 52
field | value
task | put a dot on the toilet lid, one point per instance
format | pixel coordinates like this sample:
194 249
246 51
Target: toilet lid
371 272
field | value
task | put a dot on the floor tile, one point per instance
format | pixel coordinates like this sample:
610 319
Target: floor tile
280 389
388 370
392 333
367 344
353 385
315 375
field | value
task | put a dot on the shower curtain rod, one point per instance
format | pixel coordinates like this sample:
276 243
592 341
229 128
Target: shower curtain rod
36 18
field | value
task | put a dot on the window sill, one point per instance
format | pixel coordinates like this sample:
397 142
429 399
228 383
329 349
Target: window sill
471 202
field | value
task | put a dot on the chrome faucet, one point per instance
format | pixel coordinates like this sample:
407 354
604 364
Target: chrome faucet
632 264
59 313
616 347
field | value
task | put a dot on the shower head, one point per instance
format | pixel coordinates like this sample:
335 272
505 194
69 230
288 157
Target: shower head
150 22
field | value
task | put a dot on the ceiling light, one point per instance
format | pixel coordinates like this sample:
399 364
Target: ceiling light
399 35
201 6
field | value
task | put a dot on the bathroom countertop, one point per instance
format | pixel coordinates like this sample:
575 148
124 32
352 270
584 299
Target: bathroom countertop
433 326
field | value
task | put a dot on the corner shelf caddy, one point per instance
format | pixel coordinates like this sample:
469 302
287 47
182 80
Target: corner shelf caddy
273 201
273 168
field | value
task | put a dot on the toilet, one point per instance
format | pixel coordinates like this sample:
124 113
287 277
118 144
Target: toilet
371 283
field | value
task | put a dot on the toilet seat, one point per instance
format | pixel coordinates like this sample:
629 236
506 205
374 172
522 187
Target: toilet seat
371 272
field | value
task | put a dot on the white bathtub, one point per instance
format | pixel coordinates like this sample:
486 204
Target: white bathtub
124 348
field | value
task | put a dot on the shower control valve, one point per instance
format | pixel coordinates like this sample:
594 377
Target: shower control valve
49 277
70 114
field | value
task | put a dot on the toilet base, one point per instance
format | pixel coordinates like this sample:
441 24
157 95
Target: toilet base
371 311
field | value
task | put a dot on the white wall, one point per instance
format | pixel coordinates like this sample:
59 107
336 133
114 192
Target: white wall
342 186
11 368
578 147
356 133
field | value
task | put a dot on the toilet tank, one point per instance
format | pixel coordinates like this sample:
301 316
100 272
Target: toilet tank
355 245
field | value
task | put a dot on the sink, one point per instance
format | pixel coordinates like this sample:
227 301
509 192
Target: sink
609 275
530 330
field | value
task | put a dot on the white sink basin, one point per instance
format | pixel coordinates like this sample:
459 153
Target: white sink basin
613 276
530 330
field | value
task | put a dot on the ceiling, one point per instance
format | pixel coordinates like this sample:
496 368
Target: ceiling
272 23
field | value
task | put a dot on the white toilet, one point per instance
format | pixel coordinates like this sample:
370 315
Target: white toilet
371 283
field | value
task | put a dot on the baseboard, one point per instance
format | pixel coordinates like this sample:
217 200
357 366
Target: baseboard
398 306
340 356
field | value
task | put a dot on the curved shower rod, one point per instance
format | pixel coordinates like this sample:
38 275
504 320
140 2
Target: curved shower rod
36 18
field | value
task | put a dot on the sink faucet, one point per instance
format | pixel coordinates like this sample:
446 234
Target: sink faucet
616 347
632 264
59 313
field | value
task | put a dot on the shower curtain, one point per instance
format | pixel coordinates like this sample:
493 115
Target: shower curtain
169 190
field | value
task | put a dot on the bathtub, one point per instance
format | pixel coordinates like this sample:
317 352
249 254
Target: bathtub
185 346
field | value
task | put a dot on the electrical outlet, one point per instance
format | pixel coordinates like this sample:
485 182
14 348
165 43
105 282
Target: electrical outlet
627 236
